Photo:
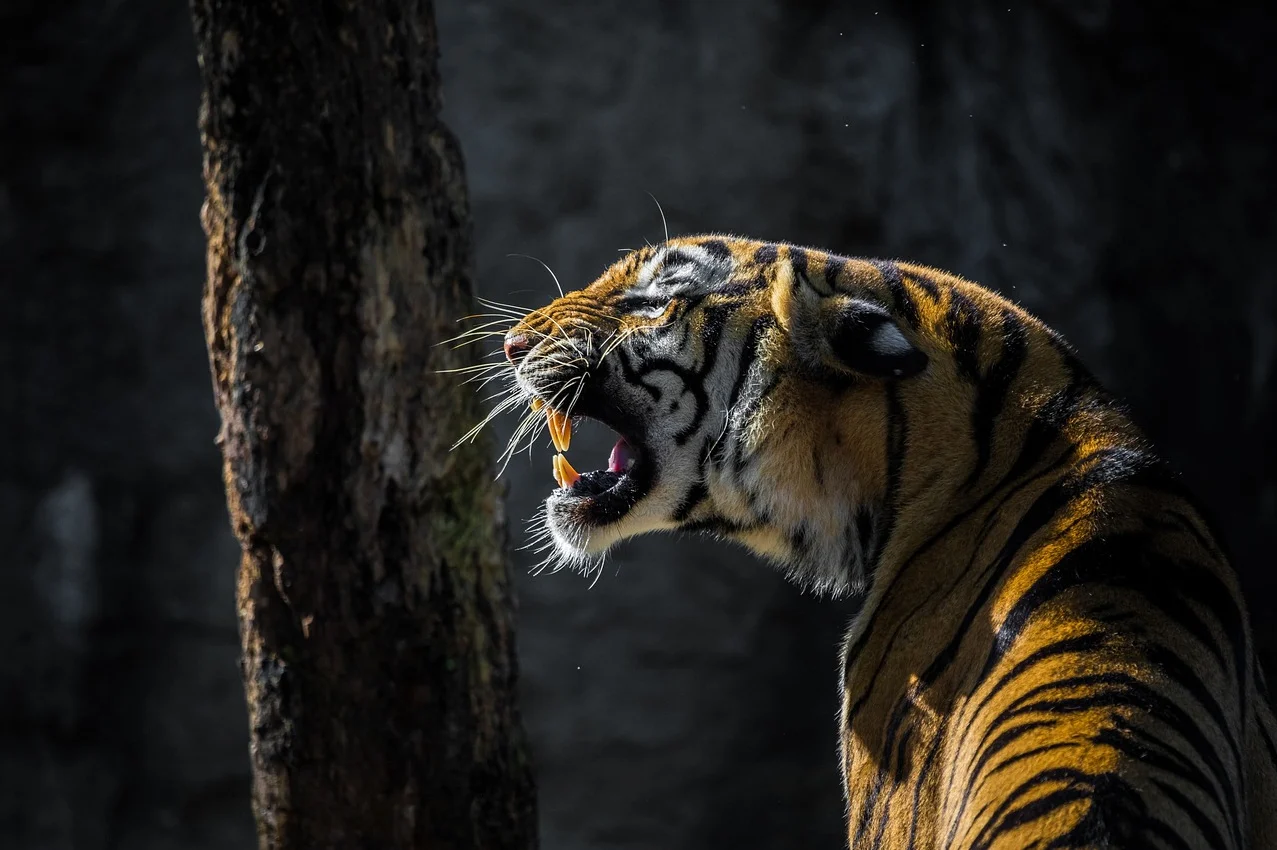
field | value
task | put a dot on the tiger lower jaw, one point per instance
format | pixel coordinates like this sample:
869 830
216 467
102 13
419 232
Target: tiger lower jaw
591 511
596 510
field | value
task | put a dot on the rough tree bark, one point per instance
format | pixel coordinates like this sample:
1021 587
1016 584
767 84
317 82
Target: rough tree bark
375 602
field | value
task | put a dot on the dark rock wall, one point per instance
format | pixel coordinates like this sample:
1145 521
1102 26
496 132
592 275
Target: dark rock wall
121 720
1110 166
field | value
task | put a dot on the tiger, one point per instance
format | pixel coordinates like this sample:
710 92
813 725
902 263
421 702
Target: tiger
1052 649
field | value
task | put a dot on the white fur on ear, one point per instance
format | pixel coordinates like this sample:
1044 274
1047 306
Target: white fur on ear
867 339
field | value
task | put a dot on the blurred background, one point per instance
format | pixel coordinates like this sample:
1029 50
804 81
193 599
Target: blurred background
1111 166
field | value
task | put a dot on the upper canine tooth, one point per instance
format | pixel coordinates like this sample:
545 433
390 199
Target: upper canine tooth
560 429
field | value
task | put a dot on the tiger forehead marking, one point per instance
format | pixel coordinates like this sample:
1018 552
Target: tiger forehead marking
1052 649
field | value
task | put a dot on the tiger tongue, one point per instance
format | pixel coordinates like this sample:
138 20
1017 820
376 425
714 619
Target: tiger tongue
622 457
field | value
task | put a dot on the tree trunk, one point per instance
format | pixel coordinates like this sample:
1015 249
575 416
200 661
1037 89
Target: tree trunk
375 601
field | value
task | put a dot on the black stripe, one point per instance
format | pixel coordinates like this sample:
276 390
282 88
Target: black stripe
1019 757
932 752
1208 830
897 435
691 385
1080 645
711 333
1116 810
897 440
902 766
834 267
866 808
748 355
1150 751
716 524
962 326
632 375
854 650
1187 678
800 538
766 254
905 305
1000 743
675 257
863 529
1121 691
1147 747
883 820
738 288
1051 501
695 495
798 258
1075 788
926 284
865 524
991 392
1124 561
1048 421
716 248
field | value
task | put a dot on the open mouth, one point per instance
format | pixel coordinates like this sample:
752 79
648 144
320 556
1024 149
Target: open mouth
600 496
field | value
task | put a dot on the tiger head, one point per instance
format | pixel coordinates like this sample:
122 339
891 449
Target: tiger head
753 387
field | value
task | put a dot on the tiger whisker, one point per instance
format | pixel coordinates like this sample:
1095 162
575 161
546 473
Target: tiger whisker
664 223
557 285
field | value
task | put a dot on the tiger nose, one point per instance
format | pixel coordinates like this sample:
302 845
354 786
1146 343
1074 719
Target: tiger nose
516 345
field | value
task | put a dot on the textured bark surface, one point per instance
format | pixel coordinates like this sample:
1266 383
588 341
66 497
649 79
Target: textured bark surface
375 602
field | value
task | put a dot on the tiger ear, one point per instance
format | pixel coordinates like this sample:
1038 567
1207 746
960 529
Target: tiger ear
866 339
834 331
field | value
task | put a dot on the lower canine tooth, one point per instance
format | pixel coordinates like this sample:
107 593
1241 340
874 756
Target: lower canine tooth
564 474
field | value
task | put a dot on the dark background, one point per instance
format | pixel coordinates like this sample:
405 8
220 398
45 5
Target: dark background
1110 165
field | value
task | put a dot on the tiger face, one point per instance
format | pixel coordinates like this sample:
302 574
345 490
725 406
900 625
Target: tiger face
747 383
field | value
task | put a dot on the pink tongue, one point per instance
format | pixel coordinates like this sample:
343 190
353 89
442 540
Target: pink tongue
622 454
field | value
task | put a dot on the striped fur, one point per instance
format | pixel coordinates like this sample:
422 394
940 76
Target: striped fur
1053 650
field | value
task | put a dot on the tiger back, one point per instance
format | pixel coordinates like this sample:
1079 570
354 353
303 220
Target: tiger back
1053 650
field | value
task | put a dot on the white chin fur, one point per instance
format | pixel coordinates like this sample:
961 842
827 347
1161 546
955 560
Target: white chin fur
576 542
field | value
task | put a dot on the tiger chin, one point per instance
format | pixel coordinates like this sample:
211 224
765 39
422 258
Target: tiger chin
1052 651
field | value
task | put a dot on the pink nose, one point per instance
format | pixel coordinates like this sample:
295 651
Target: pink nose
516 346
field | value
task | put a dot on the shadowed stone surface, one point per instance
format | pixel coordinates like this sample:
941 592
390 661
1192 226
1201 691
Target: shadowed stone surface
1108 165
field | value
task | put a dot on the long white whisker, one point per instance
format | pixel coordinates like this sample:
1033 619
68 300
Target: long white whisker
664 224
502 305
557 285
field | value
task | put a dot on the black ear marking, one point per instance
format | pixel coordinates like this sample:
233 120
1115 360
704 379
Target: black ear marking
867 340
803 280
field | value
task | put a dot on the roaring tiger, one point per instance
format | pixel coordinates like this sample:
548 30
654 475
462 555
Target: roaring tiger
1052 651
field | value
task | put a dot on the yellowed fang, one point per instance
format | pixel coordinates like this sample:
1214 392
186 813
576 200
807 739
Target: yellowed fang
564 474
560 429
570 475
